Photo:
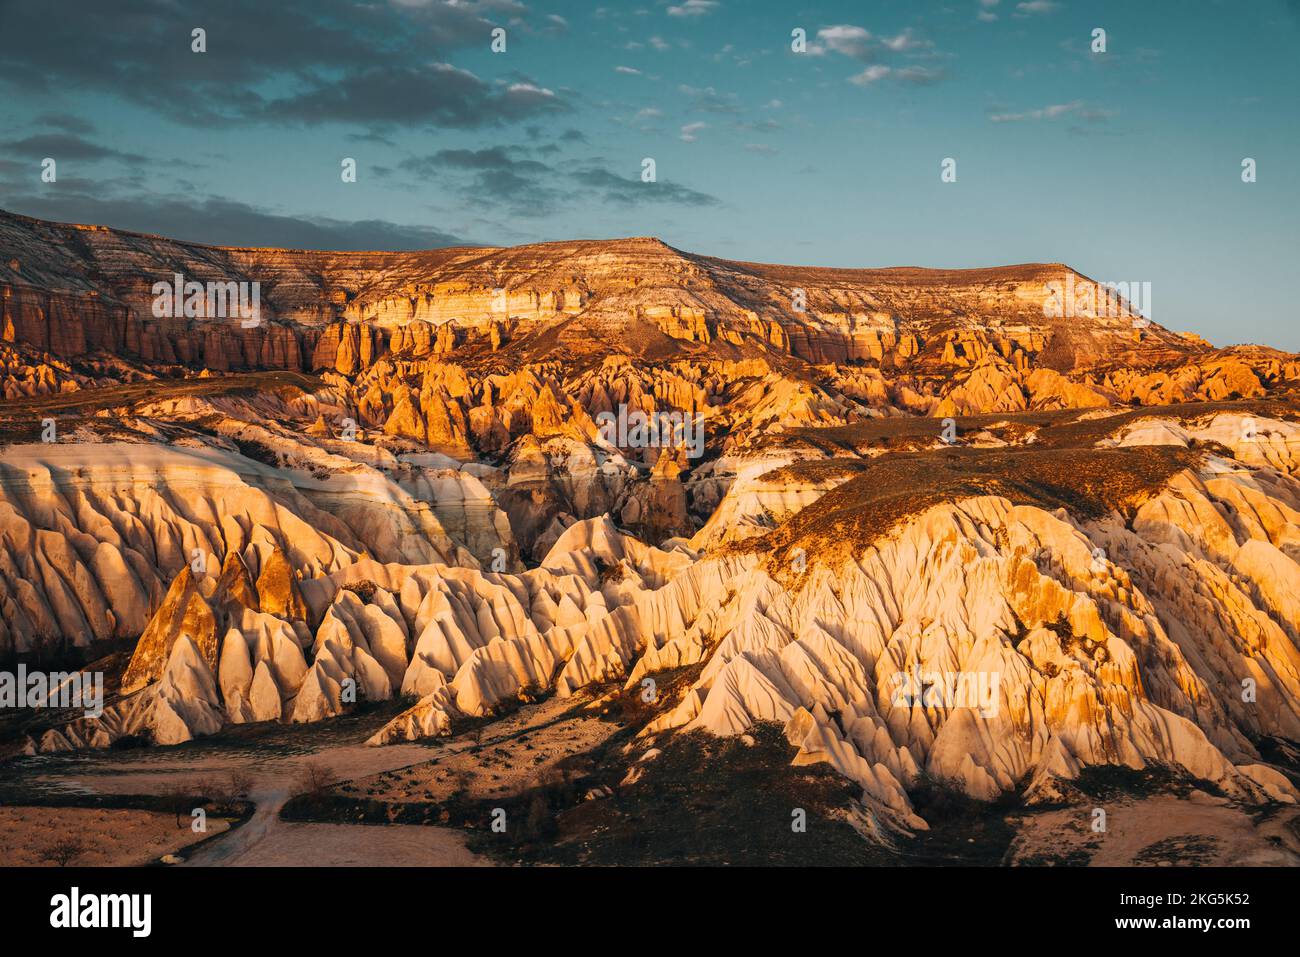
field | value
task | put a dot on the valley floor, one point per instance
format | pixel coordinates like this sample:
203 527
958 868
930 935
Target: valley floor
572 785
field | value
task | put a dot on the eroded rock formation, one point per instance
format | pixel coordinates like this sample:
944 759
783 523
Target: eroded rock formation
933 531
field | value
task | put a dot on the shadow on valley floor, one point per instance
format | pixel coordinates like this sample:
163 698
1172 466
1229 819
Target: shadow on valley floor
703 800
573 785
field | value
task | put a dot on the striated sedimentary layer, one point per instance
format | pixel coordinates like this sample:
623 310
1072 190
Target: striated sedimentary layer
82 290
934 533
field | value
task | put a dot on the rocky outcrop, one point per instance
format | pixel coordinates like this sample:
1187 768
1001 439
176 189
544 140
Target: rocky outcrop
184 613
985 643
96 539
934 531
75 290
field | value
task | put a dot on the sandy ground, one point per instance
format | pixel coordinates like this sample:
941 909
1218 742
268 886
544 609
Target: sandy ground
510 754
516 753
266 841
1161 831
263 839
108 838
156 769
522 750
353 845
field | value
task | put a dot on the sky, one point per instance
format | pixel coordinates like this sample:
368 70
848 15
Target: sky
1126 164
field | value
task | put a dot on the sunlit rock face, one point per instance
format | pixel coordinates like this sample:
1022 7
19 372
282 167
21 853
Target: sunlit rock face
1074 643
933 530
75 290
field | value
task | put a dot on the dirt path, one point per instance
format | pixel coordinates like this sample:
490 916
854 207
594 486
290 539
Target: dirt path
237 844
497 760
264 839
273 774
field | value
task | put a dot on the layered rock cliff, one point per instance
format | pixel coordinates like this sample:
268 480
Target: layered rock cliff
933 530
76 290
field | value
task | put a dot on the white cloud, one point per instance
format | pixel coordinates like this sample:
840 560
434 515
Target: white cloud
861 44
690 129
846 39
529 88
915 75
632 71
1046 113
693 8
871 74
904 41
1031 7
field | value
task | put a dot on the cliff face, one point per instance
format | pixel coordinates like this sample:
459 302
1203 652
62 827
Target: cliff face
75 290
866 479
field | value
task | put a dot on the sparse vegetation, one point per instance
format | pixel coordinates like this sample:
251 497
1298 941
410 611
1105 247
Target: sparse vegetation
312 780
241 782
364 589
1085 482
64 852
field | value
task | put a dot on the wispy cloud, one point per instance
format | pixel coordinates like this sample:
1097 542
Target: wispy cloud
693 8
690 129
508 180
861 44
225 222
882 53
914 75
629 192
871 74
1031 8
1054 111
710 100
66 145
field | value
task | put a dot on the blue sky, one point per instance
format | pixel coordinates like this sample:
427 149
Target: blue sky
1125 164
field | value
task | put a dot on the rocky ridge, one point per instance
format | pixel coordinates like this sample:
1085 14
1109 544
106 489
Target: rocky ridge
933 533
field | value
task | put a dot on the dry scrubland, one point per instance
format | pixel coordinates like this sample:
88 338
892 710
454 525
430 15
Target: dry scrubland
91 837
